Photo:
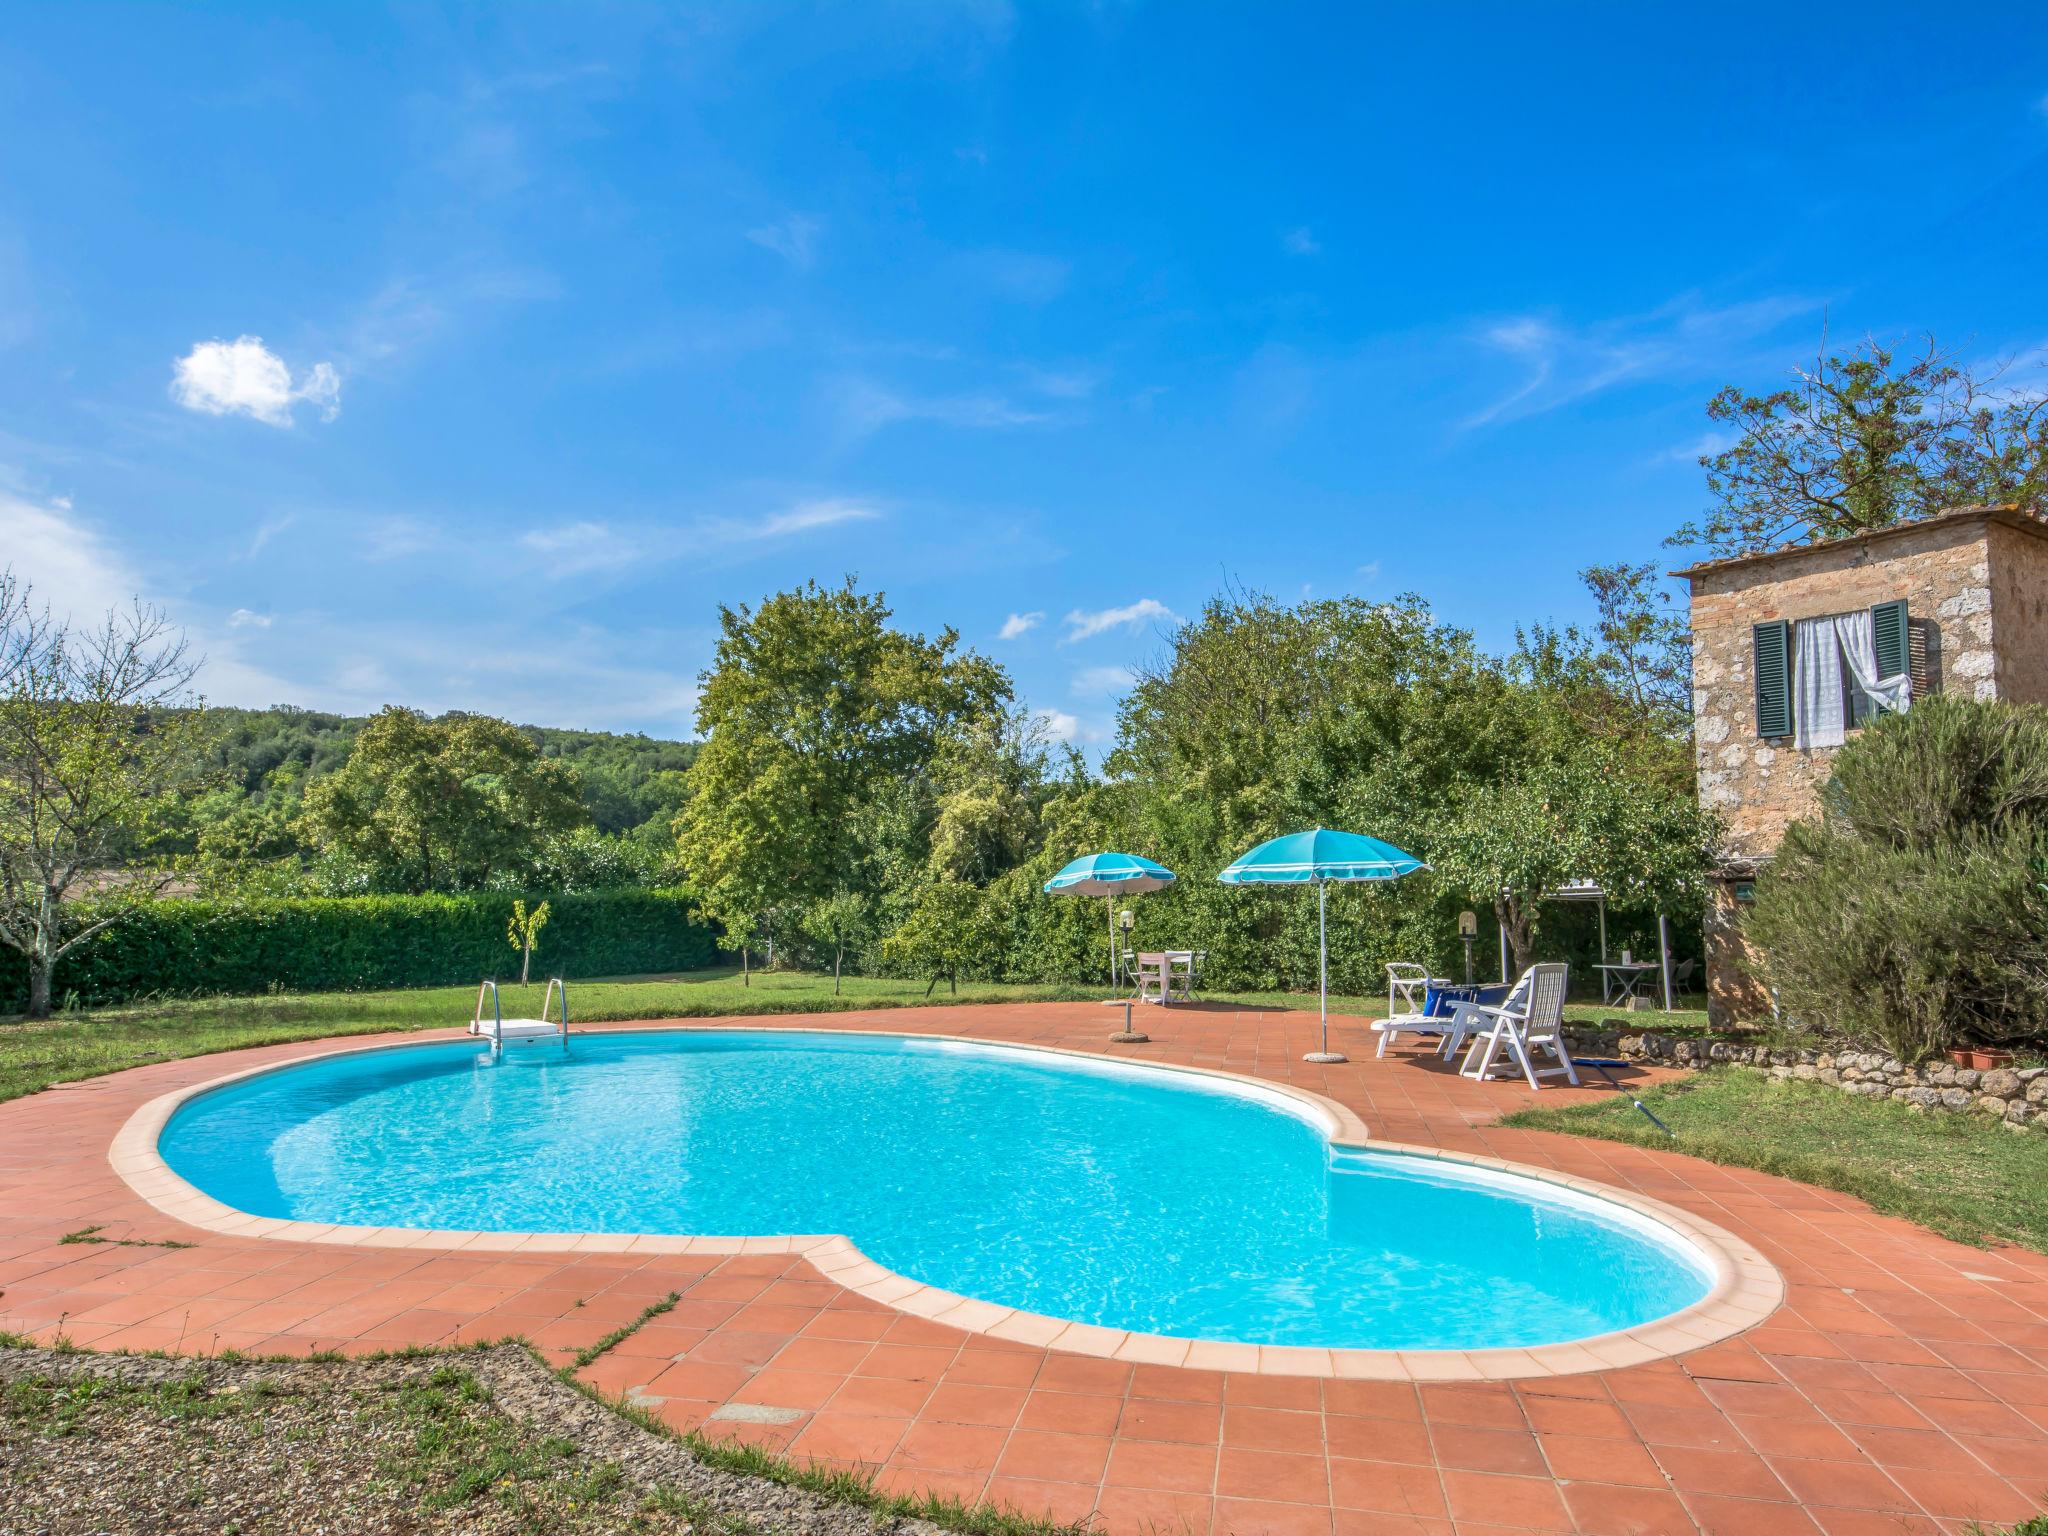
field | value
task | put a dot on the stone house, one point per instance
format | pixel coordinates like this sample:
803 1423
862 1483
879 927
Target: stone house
1794 649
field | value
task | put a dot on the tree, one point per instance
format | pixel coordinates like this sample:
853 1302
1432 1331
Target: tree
992 777
1269 717
949 929
1582 817
524 932
839 922
1911 912
441 805
815 712
99 737
1866 440
1627 684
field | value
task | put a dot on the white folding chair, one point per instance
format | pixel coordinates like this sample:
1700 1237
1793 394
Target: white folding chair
1154 976
1407 996
1517 1033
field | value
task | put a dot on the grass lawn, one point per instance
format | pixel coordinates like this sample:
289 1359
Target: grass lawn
1957 1174
76 1045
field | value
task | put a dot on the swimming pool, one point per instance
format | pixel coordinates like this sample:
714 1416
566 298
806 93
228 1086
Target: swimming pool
1126 1196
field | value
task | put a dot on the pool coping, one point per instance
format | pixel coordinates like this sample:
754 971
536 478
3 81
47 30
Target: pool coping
1746 1287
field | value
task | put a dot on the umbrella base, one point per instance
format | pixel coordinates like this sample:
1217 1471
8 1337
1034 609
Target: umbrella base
1326 1056
1128 1037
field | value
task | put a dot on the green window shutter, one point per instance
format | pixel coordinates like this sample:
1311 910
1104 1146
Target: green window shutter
1893 653
1771 646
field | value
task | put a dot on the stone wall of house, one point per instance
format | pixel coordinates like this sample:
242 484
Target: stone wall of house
2017 1096
2019 609
1733 995
1941 568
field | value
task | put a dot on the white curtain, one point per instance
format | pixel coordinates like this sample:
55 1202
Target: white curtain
1859 653
1828 653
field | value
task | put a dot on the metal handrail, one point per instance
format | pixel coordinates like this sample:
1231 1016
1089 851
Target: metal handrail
497 1012
557 985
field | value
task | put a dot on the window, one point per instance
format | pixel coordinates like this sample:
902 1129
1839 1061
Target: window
1819 678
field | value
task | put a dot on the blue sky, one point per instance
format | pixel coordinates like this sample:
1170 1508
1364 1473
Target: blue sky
566 325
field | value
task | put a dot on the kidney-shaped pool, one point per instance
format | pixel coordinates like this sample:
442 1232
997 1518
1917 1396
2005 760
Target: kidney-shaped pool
1132 1197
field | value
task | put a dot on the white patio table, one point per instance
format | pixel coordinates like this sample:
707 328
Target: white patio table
1621 980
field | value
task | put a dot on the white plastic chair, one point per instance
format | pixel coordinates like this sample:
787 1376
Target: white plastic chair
1469 1019
1519 1031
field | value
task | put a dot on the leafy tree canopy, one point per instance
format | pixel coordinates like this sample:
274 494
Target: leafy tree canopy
433 805
1582 816
815 713
1866 439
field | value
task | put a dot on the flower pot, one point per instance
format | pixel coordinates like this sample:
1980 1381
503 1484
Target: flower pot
1980 1058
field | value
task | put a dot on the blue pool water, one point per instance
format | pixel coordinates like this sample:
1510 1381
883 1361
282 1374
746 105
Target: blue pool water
1123 1196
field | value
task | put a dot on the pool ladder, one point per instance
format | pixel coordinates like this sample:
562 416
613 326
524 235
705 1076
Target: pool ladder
498 1029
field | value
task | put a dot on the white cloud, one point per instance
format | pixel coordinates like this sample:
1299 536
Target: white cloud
1563 363
583 545
1018 625
1061 724
1705 446
355 659
1370 571
1102 682
1301 241
398 538
824 512
865 407
245 378
794 239
574 548
81 576
269 529
1082 626
71 567
1063 384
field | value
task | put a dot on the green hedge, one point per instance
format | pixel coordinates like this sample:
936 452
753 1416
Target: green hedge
181 948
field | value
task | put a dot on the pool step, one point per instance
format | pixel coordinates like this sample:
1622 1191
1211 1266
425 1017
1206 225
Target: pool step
498 1029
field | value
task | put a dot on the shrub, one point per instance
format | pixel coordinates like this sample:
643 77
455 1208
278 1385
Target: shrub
1912 912
354 943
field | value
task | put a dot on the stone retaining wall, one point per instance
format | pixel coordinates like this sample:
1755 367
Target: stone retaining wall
2017 1096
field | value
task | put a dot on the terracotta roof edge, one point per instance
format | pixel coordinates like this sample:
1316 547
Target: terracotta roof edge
2007 513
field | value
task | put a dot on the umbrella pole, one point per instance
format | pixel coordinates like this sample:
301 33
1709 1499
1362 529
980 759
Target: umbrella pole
1109 906
1323 971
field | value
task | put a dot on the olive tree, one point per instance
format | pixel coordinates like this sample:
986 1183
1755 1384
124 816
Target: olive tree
1585 816
99 737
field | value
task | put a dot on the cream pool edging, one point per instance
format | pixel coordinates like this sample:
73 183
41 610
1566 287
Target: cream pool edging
1746 1287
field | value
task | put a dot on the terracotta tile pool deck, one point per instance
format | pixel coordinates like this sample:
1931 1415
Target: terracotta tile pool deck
1901 1388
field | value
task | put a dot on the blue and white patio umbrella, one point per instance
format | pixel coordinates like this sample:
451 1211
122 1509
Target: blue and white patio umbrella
1111 875
1316 858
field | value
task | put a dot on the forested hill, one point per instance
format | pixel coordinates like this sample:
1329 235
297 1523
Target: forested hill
283 749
